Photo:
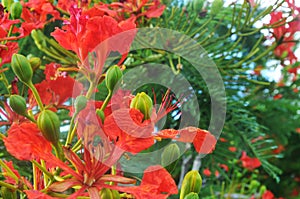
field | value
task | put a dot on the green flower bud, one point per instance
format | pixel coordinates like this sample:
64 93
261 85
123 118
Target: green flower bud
216 7
262 190
192 195
7 3
80 103
143 103
8 193
192 182
113 75
100 113
254 184
48 122
35 63
106 193
116 194
169 156
18 104
197 5
16 10
22 68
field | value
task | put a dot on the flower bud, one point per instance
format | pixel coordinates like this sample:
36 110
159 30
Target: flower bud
143 103
170 154
197 5
35 63
115 194
216 7
113 75
16 10
8 193
262 190
254 184
18 104
192 182
48 122
80 103
22 68
192 195
106 193
7 3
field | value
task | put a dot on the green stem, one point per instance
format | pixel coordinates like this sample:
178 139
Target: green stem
34 176
30 118
76 146
58 151
4 184
36 95
5 82
9 171
106 100
43 168
71 134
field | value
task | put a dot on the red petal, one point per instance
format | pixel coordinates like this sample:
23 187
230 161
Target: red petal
25 142
118 179
161 178
33 194
64 185
168 133
204 141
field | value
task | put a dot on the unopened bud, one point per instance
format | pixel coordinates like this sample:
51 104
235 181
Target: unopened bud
197 5
16 10
80 103
49 124
170 154
35 63
113 75
7 3
106 193
216 7
22 68
18 104
192 182
116 194
143 103
262 190
192 195
254 184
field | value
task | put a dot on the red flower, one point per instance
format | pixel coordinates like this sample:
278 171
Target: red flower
207 172
35 14
156 183
88 173
148 8
25 142
279 149
268 195
249 163
34 194
284 34
13 177
82 34
232 149
56 88
126 128
224 166
6 52
204 141
278 96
